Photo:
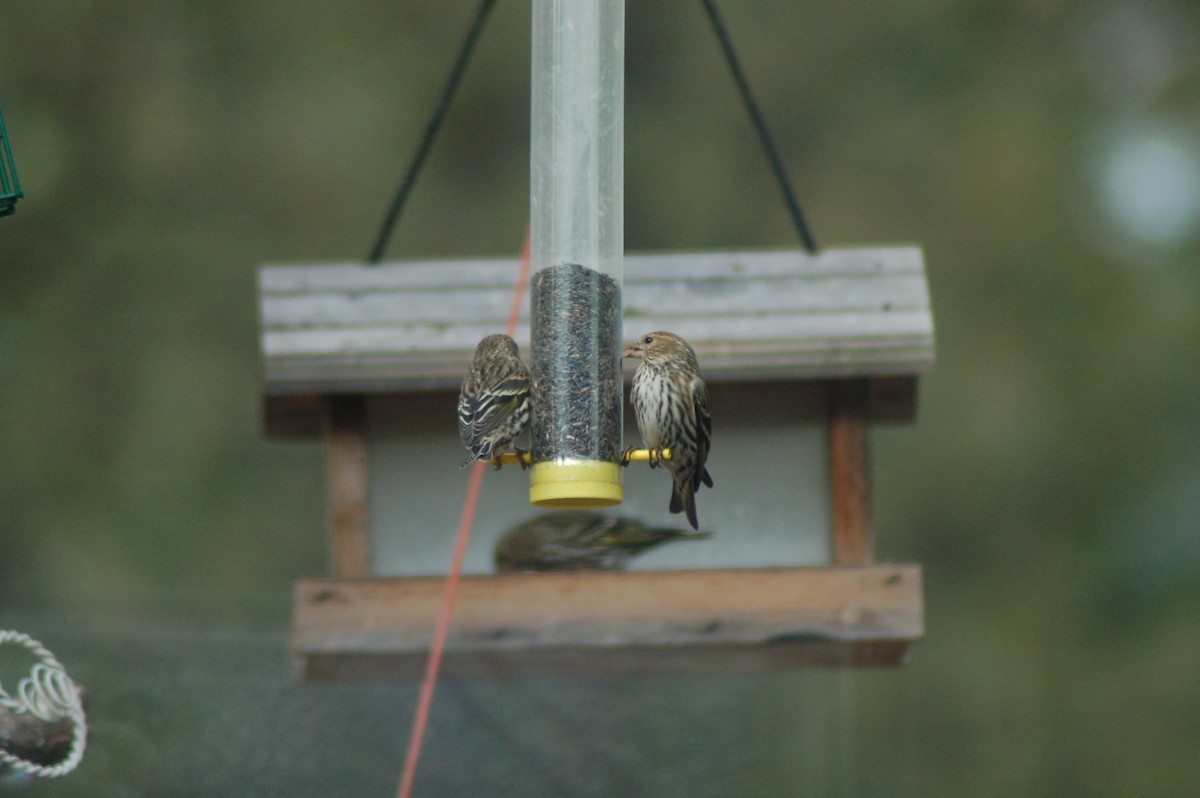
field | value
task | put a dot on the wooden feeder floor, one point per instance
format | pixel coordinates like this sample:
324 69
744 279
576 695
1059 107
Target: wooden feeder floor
605 623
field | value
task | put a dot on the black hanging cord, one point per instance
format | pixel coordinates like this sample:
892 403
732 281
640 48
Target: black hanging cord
760 124
431 131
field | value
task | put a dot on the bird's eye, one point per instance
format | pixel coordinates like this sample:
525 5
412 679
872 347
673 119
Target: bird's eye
649 339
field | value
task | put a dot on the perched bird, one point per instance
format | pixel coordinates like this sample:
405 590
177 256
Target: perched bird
572 540
671 402
493 406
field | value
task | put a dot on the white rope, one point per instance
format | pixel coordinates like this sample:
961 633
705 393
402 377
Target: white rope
47 693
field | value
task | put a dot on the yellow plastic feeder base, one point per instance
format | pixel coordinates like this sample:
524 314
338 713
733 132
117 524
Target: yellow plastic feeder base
575 484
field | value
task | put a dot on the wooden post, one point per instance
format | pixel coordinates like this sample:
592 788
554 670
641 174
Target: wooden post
850 472
349 530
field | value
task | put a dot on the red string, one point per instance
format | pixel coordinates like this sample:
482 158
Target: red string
466 520
514 312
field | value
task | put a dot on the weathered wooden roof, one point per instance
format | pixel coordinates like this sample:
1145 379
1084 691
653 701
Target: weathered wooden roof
412 326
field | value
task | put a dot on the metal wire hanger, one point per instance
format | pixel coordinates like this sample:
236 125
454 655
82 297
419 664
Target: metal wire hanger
475 30
431 130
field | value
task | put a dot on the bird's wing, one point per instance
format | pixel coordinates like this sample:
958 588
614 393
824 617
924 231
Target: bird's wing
481 412
703 429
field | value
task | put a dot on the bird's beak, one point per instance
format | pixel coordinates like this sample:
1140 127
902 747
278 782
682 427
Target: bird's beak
633 350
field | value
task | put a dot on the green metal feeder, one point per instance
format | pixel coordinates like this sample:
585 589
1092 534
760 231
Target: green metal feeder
10 186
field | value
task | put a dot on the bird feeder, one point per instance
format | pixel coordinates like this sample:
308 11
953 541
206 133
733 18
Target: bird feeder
576 247
10 186
802 354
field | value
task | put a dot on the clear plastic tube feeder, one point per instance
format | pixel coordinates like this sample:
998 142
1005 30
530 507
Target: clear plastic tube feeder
577 241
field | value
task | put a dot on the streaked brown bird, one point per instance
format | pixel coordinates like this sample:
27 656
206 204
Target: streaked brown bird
574 540
493 406
671 402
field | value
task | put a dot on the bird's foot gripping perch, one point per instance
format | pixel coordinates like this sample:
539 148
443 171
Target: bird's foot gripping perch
519 457
651 456
629 455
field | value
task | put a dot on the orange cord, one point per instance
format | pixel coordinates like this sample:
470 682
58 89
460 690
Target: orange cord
466 521
514 313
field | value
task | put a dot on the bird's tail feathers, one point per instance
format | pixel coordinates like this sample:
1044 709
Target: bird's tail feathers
646 536
481 451
683 500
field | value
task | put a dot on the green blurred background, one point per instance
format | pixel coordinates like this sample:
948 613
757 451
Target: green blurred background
1045 155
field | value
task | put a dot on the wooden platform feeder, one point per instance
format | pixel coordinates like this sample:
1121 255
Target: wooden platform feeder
802 354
